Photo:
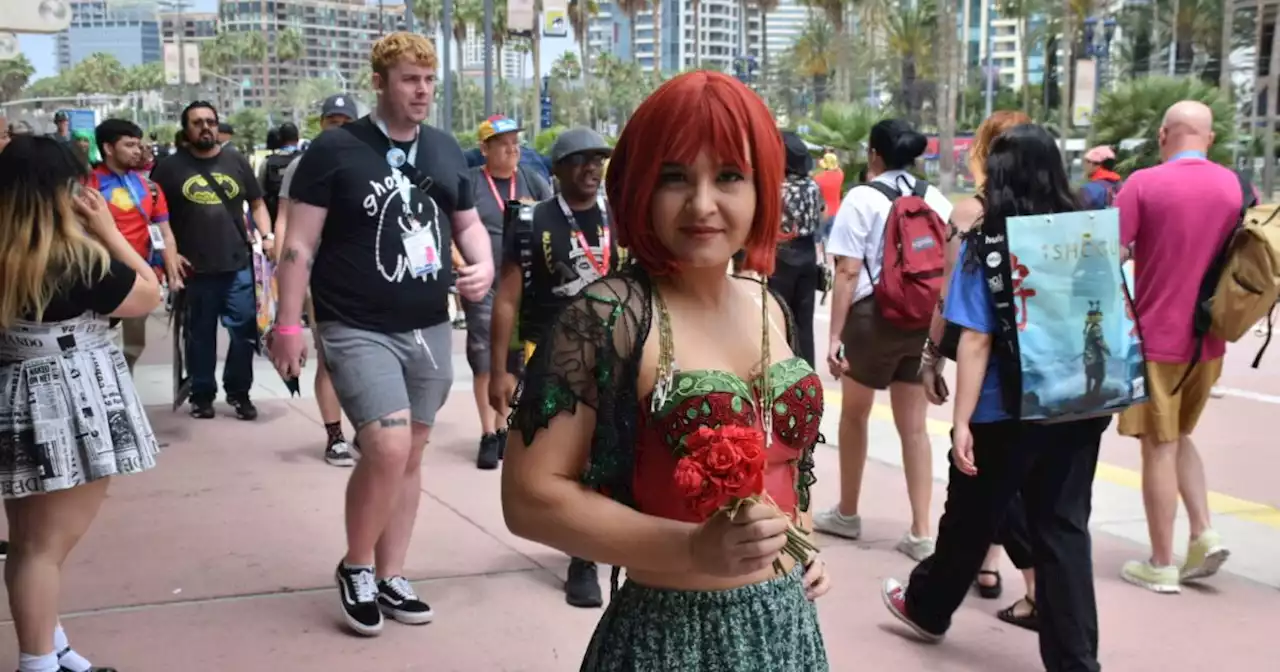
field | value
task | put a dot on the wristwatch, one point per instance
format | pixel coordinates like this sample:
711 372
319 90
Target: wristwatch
270 236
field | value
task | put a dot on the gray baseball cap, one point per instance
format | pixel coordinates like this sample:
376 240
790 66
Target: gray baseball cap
576 141
339 104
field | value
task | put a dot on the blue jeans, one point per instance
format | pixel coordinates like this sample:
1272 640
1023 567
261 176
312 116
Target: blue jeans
229 296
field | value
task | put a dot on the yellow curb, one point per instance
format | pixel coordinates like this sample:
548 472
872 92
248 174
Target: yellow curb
1219 504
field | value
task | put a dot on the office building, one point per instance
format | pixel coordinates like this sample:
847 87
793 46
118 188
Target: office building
125 29
195 26
983 30
721 39
507 67
337 36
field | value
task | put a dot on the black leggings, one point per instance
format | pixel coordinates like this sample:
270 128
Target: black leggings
798 287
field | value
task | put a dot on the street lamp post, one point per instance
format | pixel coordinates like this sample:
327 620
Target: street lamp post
446 32
488 58
178 6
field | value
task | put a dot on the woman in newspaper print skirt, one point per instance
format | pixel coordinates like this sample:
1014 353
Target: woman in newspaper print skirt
70 417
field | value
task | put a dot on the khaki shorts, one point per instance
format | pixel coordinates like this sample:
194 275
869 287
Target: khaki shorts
878 352
1168 416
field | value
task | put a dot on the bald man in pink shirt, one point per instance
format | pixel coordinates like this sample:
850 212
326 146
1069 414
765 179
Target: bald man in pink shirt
1175 217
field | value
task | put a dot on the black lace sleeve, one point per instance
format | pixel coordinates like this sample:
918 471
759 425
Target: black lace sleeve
589 356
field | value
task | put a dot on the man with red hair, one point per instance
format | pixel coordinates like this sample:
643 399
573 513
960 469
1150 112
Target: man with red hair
551 251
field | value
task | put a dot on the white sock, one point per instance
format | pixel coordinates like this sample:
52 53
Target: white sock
46 663
70 660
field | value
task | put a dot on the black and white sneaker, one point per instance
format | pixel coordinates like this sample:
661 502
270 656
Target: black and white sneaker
245 410
4 549
359 593
339 454
397 600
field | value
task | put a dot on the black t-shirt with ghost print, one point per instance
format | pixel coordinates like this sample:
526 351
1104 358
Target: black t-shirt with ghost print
362 274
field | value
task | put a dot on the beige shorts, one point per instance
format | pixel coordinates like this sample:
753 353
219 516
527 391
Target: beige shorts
1165 415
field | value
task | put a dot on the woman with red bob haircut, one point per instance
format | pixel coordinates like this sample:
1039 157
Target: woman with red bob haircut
627 448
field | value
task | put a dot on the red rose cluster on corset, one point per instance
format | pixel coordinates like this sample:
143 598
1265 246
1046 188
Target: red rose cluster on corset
721 466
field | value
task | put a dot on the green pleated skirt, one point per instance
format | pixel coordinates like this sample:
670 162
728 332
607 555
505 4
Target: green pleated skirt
765 627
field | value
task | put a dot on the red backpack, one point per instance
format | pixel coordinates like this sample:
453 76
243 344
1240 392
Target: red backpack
910 279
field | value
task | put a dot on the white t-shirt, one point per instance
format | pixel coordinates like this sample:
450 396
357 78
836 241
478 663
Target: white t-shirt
858 230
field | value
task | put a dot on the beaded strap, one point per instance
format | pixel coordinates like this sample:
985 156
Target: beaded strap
666 363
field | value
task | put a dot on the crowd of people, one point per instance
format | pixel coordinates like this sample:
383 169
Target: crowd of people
643 434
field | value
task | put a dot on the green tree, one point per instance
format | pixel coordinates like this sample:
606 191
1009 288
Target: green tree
15 74
844 127
145 77
288 45
814 56
251 127
98 73
1135 110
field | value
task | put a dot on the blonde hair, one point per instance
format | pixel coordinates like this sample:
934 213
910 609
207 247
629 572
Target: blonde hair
999 122
829 162
44 250
401 46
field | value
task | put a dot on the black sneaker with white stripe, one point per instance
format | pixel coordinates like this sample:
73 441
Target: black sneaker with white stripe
397 600
359 592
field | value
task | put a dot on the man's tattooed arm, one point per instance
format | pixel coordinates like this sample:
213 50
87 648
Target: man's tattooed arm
294 274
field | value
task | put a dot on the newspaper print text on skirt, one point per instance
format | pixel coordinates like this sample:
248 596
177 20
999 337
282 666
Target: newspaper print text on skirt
762 627
69 411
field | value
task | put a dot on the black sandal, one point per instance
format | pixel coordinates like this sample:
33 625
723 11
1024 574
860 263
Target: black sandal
1029 621
988 592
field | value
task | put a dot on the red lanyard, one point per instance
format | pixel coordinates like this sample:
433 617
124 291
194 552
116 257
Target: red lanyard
601 265
502 205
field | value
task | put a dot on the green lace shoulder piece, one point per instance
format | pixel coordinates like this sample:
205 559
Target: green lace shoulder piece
588 357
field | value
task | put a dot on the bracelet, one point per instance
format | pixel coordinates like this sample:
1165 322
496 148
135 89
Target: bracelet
289 330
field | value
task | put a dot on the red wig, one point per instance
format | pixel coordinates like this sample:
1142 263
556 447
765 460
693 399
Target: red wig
693 112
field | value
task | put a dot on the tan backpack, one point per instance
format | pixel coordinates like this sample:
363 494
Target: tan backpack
1249 284
1242 284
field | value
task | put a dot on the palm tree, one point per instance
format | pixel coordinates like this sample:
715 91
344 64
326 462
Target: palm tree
815 56
288 45
145 77
15 73
499 35
948 66
428 12
99 73
911 33
1135 109
844 126
466 15
764 7
1023 11
580 14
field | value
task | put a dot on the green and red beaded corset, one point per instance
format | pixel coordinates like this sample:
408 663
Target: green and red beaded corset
590 358
707 398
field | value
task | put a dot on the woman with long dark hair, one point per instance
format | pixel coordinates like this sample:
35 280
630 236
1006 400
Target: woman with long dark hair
941 345
70 417
646 363
996 455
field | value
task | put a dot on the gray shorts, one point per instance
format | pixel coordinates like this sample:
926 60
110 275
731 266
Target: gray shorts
377 374
479 333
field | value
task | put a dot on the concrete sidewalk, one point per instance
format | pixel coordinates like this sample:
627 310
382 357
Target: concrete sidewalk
222 559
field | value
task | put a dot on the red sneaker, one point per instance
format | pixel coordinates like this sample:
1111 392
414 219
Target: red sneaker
895 598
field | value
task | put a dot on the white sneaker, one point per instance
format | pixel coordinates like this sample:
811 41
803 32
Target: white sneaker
831 521
916 548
